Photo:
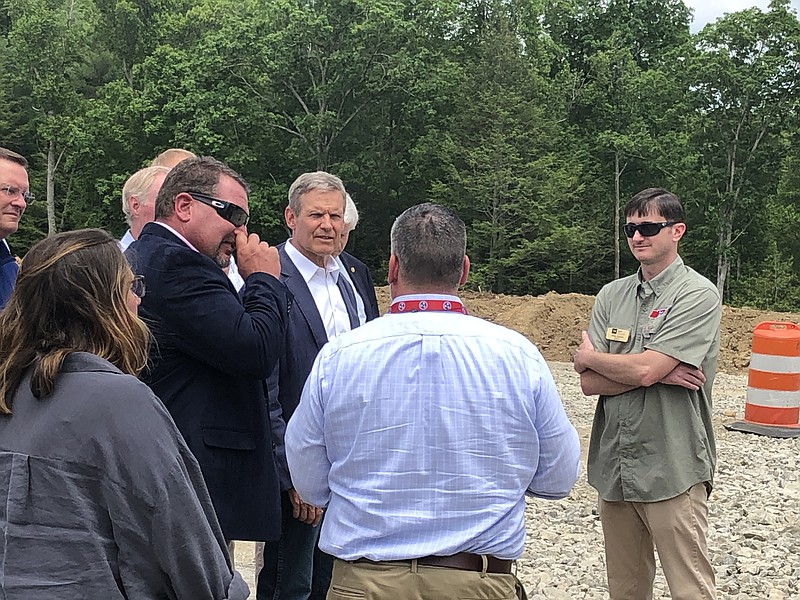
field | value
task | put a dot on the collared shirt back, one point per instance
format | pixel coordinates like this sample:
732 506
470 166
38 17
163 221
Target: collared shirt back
422 433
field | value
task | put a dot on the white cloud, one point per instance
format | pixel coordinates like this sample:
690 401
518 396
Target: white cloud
706 11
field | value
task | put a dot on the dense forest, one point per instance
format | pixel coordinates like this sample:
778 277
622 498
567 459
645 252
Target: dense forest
535 119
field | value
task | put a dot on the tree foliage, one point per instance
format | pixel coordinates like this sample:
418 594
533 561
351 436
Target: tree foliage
534 119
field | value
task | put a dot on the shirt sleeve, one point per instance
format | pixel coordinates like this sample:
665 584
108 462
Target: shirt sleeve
305 440
196 312
691 327
598 322
559 446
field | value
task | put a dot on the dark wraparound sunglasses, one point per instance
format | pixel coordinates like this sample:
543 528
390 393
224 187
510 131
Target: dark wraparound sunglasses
646 229
227 210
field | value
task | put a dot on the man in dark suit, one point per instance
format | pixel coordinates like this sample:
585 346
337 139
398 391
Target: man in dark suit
356 272
322 306
213 350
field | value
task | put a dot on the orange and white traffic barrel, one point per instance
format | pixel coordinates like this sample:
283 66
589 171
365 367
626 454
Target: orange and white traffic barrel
772 406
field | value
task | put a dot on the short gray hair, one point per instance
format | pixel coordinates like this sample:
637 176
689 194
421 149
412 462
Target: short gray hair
10 155
350 213
137 185
429 242
316 180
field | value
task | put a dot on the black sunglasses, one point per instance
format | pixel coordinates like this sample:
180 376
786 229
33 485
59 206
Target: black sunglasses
646 229
227 210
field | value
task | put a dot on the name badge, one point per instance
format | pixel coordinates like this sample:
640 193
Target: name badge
617 335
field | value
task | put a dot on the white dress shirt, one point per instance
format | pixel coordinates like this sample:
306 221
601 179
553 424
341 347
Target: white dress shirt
321 283
422 432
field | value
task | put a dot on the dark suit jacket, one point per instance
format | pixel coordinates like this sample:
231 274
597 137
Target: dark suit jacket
213 350
362 279
305 336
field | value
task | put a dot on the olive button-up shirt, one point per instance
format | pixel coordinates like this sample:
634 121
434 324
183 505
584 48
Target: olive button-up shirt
653 443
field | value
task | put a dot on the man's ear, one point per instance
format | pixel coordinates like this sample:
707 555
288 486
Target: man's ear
183 207
677 231
394 269
464 271
290 217
134 205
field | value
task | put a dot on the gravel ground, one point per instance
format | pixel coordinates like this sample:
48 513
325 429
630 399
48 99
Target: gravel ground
754 535
754 520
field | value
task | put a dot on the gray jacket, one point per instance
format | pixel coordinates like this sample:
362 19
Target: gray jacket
101 498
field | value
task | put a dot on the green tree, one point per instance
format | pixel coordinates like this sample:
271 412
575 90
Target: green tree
743 82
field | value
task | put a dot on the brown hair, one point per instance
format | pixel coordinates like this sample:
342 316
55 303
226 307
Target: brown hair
70 296
200 175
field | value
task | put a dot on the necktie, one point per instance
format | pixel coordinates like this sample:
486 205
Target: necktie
349 300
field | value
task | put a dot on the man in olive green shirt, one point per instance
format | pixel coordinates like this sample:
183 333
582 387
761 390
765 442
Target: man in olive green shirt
651 355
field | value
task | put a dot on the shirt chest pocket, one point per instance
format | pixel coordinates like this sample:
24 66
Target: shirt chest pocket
653 322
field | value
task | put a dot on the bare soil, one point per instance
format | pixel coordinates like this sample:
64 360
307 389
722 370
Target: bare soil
554 323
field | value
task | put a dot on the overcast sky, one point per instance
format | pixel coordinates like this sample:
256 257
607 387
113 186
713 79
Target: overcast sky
706 11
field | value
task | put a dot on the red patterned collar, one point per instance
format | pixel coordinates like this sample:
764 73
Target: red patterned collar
427 305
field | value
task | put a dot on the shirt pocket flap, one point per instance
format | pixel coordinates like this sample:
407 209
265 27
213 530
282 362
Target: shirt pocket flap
231 439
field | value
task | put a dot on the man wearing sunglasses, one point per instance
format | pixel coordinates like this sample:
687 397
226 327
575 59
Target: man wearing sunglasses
14 199
651 354
213 348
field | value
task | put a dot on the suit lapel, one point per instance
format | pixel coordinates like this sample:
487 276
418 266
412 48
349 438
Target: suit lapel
295 283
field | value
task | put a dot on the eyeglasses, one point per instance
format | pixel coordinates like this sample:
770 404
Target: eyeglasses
138 287
13 192
646 229
227 210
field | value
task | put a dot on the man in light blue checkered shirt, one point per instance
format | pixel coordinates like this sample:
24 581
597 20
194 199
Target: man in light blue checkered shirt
422 431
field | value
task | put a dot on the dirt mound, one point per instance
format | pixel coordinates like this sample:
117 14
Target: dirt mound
554 322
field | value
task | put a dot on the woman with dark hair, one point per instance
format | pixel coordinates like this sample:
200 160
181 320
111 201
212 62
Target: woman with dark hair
99 495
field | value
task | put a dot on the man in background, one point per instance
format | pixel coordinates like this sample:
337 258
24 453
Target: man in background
651 355
139 201
397 434
355 271
171 157
15 196
322 307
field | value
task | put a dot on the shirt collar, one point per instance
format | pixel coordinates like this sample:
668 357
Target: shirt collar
176 234
417 297
307 268
663 279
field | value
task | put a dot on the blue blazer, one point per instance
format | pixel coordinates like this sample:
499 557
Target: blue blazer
362 279
211 354
305 336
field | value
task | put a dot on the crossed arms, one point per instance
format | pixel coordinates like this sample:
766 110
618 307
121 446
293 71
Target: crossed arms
611 374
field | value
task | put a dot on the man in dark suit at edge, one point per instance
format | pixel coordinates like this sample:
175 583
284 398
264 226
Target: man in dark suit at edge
322 305
212 349
356 272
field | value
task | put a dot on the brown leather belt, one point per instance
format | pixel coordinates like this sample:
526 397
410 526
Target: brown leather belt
463 561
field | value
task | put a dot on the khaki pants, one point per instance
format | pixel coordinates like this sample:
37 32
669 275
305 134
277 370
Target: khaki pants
677 527
405 580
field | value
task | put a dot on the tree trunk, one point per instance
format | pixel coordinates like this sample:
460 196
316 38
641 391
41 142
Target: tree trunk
723 250
51 178
617 176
